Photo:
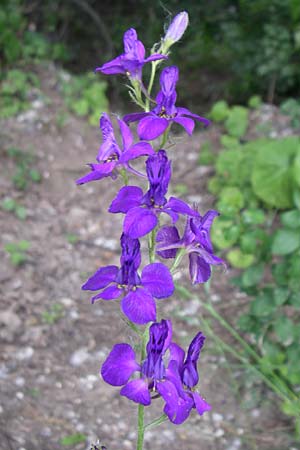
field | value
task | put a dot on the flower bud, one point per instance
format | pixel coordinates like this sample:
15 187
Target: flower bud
177 28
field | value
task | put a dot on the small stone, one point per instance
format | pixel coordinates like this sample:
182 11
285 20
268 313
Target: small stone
25 353
66 301
79 357
219 433
217 417
20 395
20 381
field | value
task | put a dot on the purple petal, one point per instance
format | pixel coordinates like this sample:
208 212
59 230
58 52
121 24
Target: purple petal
126 134
98 171
139 306
128 197
167 236
134 117
100 279
187 112
157 279
187 124
129 40
139 221
208 218
200 404
185 404
112 67
110 293
174 216
179 206
137 391
199 269
151 127
119 365
176 354
155 57
169 393
137 150
208 257
168 80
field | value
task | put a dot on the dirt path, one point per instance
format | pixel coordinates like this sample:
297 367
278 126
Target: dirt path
54 340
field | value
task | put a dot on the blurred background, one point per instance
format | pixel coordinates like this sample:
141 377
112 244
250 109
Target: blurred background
239 65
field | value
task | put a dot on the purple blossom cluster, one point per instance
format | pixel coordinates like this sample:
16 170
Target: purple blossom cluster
165 370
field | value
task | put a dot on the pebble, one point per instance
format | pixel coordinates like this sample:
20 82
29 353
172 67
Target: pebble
79 357
108 244
219 433
20 381
235 445
25 353
66 301
127 444
20 395
217 417
10 320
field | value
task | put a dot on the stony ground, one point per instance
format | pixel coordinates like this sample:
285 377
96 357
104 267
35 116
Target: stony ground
54 340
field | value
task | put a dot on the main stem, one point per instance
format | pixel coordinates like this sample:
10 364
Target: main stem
141 429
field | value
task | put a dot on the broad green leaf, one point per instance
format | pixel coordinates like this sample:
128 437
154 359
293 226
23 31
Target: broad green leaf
237 122
272 172
284 330
231 200
9 204
296 169
21 212
248 243
224 234
280 295
240 260
285 242
254 102
229 142
219 111
263 305
253 275
291 219
73 439
253 216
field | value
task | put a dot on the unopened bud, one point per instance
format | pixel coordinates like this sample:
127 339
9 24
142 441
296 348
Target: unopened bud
177 27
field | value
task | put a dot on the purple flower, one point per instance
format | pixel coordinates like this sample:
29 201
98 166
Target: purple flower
141 210
111 157
138 292
177 28
164 371
154 123
196 241
132 60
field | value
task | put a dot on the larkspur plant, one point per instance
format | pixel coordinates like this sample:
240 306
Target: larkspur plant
163 369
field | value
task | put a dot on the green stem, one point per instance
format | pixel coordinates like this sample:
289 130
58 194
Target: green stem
141 428
124 176
288 394
151 245
177 260
165 137
150 85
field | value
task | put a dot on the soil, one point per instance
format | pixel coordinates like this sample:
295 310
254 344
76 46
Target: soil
51 355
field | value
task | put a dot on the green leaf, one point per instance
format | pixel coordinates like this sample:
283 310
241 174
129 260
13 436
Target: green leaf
23 245
240 260
219 111
284 330
253 275
73 439
248 242
291 219
21 212
35 175
263 305
285 242
237 121
296 169
253 216
294 300
9 204
229 142
254 102
231 200
17 258
280 295
296 198
224 234
272 172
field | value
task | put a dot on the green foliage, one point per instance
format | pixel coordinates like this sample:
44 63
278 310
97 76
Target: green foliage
17 252
73 439
237 121
85 95
14 89
291 107
55 313
254 102
206 156
9 204
220 111
24 173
